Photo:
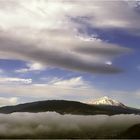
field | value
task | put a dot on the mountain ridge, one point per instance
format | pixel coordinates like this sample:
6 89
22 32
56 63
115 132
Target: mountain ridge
68 107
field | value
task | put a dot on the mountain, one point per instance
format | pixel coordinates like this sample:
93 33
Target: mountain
69 107
106 101
132 132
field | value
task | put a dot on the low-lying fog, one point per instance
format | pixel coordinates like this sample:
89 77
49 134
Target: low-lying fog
54 125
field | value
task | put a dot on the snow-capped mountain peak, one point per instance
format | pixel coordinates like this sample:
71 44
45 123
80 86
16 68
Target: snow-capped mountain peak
105 101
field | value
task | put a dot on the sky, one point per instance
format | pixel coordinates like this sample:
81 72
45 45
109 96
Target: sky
73 50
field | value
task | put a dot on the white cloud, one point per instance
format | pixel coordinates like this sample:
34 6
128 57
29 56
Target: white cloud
138 67
55 14
8 101
42 37
35 66
99 14
69 83
75 88
108 62
53 125
14 80
1 71
31 67
137 93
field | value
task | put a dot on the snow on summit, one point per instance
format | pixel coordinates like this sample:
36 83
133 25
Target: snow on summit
105 101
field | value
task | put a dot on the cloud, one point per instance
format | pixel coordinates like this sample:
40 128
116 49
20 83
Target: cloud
56 88
1 71
42 38
137 93
31 67
14 80
8 101
74 88
57 57
54 125
108 62
138 67
69 83
56 14
103 49
98 14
